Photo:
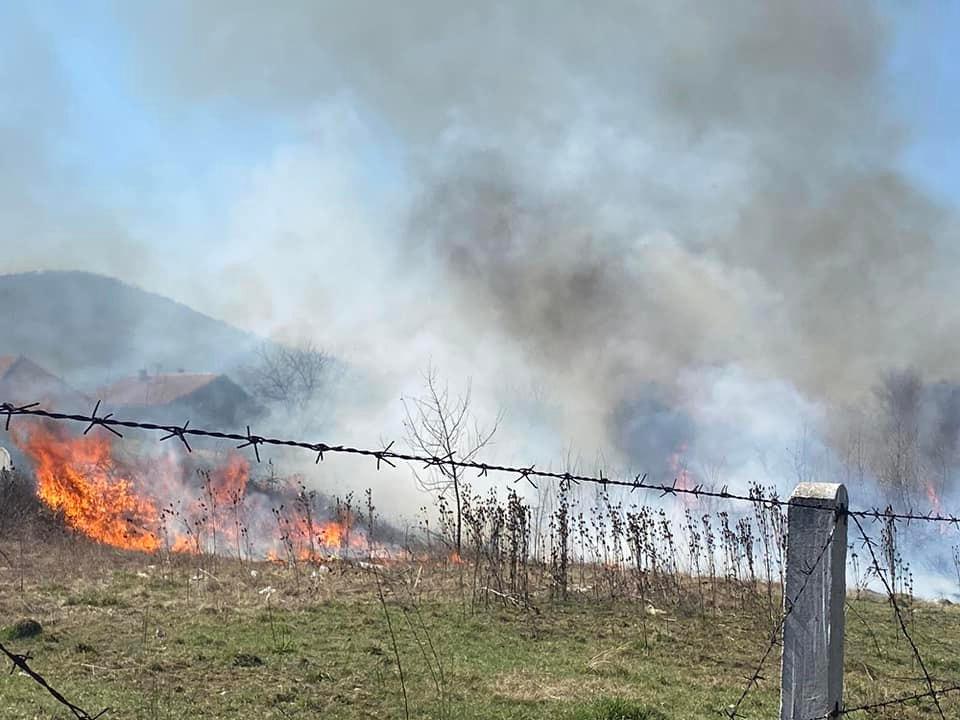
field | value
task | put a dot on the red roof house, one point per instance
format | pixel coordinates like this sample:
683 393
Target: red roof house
177 397
22 381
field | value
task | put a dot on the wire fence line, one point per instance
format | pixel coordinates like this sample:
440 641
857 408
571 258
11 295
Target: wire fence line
387 455
932 693
20 662
892 598
900 701
529 474
789 605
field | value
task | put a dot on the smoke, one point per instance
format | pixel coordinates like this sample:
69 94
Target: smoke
50 216
637 226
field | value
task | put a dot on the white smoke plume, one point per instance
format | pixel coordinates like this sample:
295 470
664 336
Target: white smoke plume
636 226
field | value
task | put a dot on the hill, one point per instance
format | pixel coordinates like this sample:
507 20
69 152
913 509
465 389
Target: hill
90 328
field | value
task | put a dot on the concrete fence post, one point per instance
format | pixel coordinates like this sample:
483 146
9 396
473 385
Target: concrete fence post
811 673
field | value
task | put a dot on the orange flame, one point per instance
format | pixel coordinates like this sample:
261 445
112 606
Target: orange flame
682 475
78 477
229 483
106 498
933 498
313 541
147 505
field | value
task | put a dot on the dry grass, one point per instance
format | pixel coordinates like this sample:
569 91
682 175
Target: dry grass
208 638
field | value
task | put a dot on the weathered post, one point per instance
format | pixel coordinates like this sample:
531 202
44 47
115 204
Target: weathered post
811 674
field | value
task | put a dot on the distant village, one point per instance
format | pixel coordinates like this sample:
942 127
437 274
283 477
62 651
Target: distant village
209 398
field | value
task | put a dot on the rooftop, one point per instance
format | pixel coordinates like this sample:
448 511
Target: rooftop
155 389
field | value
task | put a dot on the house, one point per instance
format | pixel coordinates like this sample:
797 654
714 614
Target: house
174 398
23 381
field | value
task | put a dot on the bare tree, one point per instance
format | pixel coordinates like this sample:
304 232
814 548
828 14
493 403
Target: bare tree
441 426
805 457
900 397
942 446
855 449
290 377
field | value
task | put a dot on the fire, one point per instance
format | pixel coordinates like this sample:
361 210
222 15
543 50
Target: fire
183 544
229 483
147 505
313 541
97 496
935 505
334 534
933 498
682 475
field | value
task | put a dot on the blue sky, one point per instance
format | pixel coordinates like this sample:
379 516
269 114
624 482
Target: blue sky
925 78
129 146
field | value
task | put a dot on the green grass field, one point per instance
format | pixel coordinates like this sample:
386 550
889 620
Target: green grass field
152 640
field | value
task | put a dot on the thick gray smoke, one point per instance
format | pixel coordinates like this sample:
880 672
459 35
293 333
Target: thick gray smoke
639 227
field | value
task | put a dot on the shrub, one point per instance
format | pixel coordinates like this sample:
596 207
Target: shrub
18 500
22 629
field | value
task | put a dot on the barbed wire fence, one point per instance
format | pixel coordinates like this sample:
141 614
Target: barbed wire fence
386 456
530 474
775 636
20 662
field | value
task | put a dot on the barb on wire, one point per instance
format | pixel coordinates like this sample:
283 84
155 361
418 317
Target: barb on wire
179 433
892 596
319 448
438 461
569 479
10 409
524 474
251 440
789 605
669 490
387 455
20 661
101 421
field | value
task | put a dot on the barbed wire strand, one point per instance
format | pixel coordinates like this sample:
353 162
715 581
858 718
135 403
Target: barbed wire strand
387 455
892 596
789 605
898 701
20 661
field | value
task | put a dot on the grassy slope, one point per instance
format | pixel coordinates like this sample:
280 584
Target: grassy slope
150 643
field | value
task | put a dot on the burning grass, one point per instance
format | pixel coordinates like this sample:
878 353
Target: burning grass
161 639
131 497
